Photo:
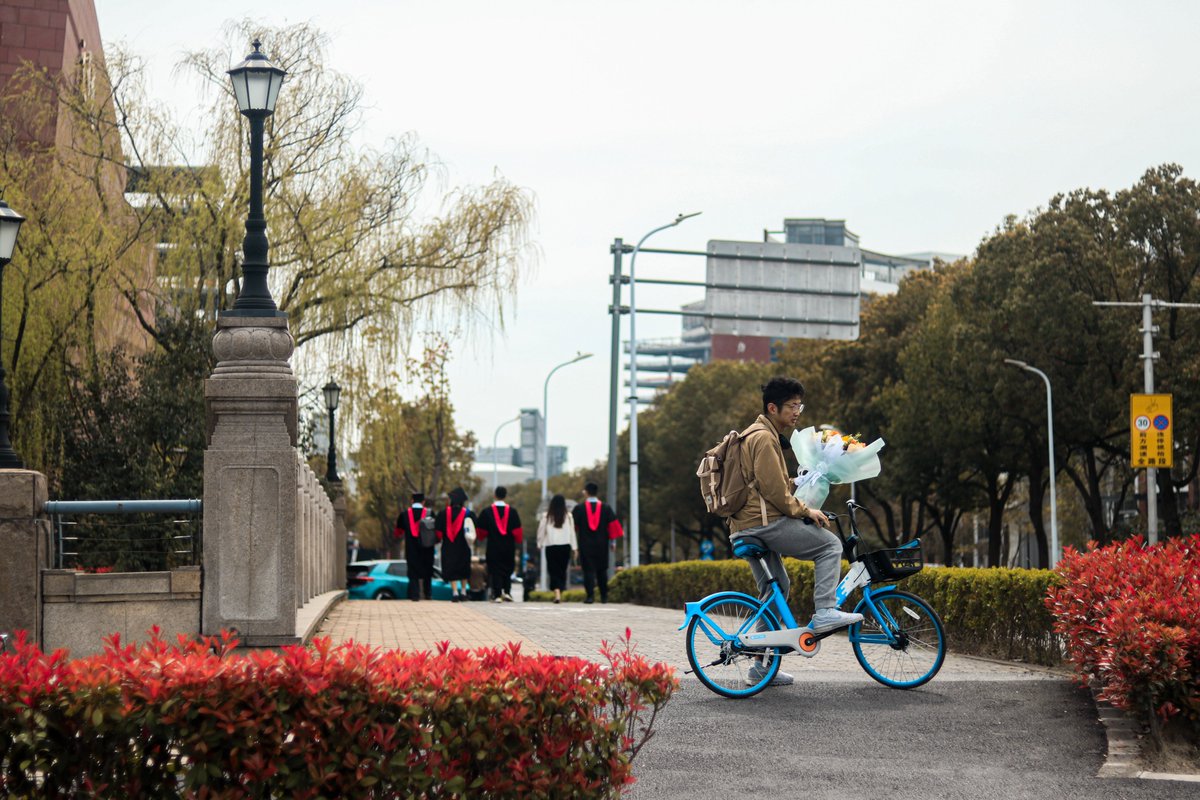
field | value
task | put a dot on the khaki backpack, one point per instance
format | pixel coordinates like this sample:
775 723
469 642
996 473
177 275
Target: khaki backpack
723 483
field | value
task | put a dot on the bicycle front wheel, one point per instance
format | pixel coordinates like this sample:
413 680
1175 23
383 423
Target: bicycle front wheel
904 646
717 659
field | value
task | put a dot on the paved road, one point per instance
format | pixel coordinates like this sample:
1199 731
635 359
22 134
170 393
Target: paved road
979 729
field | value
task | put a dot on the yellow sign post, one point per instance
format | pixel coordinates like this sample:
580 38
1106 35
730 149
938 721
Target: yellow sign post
1150 431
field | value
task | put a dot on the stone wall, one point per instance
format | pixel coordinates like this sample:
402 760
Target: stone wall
80 610
25 544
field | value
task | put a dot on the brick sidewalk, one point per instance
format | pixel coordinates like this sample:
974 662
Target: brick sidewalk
573 629
405 625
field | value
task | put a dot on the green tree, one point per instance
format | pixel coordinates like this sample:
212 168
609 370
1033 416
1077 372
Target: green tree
848 383
120 434
1159 219
683 422
411 445
361 252
62 311
526 497
352 262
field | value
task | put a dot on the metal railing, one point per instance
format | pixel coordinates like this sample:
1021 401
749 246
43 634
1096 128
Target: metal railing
141 545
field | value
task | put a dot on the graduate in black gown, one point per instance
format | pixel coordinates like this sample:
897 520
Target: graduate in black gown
418 554
500 526
596 527
452 525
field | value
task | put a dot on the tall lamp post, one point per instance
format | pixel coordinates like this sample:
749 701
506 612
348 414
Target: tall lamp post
544 454
256 83
634 560
495 446
1050 429
332 393
10 225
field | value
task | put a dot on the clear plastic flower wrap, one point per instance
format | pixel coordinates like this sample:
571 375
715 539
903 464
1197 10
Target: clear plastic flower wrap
828 457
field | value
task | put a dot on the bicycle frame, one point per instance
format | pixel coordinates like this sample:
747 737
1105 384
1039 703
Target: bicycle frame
800 639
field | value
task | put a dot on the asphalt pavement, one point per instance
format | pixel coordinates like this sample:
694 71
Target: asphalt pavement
979 729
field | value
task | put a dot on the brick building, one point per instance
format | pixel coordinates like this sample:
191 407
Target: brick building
60 36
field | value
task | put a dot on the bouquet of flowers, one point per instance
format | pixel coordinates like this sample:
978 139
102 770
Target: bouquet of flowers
827 457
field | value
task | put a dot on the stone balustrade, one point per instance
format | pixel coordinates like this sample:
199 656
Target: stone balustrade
316 537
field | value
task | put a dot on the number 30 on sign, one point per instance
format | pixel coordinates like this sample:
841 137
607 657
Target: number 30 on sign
1150 434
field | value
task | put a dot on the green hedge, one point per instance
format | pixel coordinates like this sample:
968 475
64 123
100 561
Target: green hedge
999 613
569 596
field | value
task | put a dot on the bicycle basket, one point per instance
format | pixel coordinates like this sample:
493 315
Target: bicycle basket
892 565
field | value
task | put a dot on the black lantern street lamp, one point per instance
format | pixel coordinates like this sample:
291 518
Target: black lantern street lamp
256 83
332 392
10 225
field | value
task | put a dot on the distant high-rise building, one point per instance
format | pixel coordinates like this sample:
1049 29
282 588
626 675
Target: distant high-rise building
533 433
822 273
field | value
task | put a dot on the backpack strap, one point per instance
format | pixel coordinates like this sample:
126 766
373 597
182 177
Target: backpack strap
762 503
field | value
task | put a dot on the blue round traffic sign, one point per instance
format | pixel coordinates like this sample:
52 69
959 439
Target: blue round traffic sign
1161 422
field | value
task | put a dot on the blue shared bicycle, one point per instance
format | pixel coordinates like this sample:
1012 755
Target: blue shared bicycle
900 641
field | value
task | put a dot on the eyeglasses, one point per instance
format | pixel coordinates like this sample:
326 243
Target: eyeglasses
797 407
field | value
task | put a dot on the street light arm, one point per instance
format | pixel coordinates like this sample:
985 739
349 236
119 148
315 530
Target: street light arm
634 542
1050 433
495 439
544 458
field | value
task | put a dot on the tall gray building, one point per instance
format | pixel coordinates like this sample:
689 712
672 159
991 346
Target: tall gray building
822 296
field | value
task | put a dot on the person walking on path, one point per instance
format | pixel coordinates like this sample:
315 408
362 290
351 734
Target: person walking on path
598 529
418 550
500 526
784 524
455 526
556 533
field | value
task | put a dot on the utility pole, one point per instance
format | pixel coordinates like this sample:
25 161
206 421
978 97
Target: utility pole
1149 356
618 250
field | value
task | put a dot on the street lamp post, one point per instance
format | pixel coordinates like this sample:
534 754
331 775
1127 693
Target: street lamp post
544 458
332 393
1050 431
256 83
495 446
10 226
633 391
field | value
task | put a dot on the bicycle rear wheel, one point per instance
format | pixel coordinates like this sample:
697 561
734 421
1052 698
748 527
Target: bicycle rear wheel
715 656
904 648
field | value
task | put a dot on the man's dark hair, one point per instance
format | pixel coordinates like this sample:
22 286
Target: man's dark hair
591 488
418 497
779 390
501 492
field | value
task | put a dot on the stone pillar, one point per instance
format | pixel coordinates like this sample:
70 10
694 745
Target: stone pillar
339 535
250 483
25 543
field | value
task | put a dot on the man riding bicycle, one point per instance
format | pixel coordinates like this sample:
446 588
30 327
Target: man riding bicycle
785 525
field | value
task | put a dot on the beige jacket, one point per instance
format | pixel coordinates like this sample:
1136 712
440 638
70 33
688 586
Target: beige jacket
767 474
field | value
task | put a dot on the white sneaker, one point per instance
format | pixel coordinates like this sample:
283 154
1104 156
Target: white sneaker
829 619
506 597
758 671
498 600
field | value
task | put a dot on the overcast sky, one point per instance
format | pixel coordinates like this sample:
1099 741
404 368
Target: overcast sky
922 124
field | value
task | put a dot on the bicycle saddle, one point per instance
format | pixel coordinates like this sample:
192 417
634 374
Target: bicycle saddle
749 547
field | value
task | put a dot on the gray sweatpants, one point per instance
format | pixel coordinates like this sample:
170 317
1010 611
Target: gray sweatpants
791 537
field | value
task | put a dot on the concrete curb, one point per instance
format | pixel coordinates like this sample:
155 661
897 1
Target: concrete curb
1123 732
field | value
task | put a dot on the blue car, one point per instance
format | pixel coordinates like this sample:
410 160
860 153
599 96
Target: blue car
385 579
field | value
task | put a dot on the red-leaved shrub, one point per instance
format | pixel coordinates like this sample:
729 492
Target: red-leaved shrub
197 719
1130 617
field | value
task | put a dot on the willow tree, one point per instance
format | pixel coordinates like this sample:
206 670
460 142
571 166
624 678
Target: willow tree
411 445
364 248
360 251
63 311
